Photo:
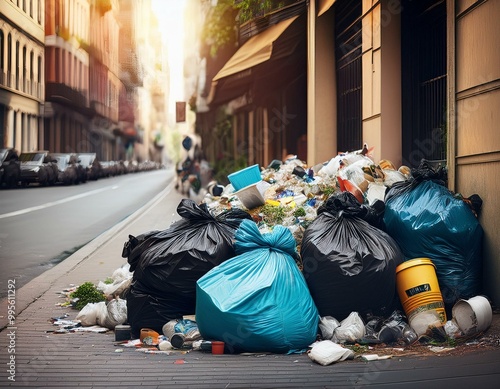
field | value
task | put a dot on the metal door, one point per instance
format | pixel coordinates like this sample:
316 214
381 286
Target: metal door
424 104
348 41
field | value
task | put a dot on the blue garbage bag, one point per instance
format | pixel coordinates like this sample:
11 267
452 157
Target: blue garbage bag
428 221
258 301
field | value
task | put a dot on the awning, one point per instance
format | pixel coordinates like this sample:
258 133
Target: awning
263 58
256 50
324 5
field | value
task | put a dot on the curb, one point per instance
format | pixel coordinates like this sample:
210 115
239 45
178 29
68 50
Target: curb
38 286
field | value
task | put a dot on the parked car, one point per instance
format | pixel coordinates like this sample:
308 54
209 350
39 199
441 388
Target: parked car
109 168
37 167
131 166
121 167
68 173
10 169
53 170
91 165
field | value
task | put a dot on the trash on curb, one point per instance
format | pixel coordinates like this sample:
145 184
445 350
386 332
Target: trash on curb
181 332
302 259
326 352
374 357
440 349
166 264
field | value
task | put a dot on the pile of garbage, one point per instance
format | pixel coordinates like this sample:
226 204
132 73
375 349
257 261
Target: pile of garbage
308 255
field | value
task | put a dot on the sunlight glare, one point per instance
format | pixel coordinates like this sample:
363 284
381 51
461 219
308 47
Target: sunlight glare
170 15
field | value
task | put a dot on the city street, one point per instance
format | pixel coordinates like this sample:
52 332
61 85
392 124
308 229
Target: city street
308 182
44 359
41 226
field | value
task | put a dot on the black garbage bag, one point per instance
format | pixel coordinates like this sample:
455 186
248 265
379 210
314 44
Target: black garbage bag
133 248
349 264
167 264
145 310
429 221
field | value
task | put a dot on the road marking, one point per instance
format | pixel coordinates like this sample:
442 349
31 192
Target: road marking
53 203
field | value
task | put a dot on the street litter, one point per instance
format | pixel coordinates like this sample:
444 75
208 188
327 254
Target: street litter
106 314
374 357
440 349
166 264
71 326
133 343
181 332
331 260
350 329
96 329
327 352
472 315
116 285
153 351
164 345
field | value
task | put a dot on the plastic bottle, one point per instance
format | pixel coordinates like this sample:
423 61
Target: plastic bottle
396 328
389 333
186 327
179 340
409 335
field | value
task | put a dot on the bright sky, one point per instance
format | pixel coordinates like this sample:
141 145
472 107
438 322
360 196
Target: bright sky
170 15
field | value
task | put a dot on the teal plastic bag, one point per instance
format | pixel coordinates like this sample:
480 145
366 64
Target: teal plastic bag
428 221
258 301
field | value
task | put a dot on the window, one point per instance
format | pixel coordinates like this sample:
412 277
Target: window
18 70
14 126
39 10
39 67
23 81
9 59
63 66
32 67
1 52
57 59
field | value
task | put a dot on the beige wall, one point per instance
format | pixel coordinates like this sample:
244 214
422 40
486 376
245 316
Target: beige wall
381 66
476 141
322 97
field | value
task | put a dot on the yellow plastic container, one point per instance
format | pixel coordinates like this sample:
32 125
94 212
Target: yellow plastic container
418 288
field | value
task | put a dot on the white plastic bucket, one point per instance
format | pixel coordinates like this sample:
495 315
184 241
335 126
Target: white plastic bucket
252 196
473 315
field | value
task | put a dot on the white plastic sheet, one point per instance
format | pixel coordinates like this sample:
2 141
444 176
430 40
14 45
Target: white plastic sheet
327 352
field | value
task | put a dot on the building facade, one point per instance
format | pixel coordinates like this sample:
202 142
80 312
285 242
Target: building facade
104 80
413 79
66 115
22 64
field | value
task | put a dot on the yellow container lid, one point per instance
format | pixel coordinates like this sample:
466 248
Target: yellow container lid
414 262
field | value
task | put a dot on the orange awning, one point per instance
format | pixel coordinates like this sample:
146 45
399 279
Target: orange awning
256 50
324 5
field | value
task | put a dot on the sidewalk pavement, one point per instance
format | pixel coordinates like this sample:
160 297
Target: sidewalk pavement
35 357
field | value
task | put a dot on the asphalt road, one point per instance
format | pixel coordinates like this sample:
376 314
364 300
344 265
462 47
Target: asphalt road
41 226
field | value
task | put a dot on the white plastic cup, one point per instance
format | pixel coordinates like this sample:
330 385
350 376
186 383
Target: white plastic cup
473 315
